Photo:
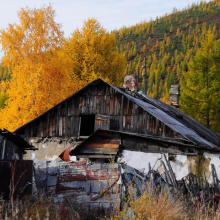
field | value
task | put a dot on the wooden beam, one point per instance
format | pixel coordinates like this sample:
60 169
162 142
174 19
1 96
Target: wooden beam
92 150
93 156
121 113
48 124
66 133
57 120
101 145
104 191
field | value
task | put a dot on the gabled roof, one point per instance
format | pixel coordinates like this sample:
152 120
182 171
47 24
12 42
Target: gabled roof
183 124
169 116
185 119
60 103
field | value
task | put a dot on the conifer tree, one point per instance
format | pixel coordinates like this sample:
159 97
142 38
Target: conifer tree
148 41
201 87
171 29
144 48
177 32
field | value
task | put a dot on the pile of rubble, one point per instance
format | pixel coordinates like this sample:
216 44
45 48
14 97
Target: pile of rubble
81 185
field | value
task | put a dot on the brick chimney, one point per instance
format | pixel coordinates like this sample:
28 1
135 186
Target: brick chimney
130 82
174 95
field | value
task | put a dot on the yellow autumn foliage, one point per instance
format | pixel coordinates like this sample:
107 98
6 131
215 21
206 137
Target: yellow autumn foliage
92 53
32 51
46 68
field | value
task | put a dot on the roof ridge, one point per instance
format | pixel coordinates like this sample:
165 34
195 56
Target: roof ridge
173 114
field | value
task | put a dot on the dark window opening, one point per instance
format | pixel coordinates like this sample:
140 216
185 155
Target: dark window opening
87 125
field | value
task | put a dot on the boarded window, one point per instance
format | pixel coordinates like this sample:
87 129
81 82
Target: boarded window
102 122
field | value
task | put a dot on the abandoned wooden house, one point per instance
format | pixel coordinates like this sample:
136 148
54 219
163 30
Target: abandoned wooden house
13 146
12 149
135 121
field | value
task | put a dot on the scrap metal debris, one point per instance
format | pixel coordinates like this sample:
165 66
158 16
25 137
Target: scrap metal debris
205 194
85 184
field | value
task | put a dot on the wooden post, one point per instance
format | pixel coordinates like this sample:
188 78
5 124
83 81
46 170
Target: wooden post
66 120
48 124
57 119
121 113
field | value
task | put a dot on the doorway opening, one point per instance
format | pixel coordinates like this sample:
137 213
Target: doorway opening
87 125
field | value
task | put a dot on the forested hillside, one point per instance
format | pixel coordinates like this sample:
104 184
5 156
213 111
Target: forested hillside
169 43
180 48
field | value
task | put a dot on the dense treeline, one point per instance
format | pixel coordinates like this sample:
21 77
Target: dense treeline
169 42
44 67
173 45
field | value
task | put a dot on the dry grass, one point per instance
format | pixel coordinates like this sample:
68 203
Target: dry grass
163 207
151 206
148 206
43 208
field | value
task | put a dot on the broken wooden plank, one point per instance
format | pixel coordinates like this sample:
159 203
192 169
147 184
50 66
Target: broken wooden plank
104 191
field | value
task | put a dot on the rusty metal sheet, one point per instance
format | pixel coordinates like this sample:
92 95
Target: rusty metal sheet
104 133
65 154
71 174
100 145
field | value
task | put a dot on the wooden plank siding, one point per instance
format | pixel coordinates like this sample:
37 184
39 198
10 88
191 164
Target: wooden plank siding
101 99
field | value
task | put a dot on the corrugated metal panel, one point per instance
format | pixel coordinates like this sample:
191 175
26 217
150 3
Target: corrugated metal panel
184 118
169 121
99 143
71 173
45 174
88 186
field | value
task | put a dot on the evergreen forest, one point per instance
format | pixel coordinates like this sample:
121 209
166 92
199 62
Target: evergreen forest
169 43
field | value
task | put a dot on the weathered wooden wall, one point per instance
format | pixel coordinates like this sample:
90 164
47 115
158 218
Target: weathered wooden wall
9 151
99 99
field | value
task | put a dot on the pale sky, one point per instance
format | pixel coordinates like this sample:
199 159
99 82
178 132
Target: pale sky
110 13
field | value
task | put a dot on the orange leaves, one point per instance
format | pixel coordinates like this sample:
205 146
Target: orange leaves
92 53
32 50
46 68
